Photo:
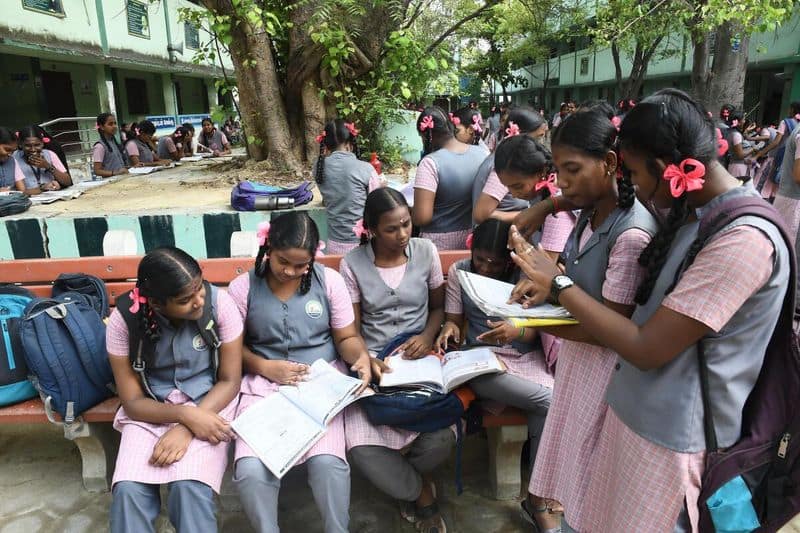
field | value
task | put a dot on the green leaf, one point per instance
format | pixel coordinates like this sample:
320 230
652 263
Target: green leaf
406 92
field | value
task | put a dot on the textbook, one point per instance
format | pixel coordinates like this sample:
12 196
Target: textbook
440 374
283 426
491 296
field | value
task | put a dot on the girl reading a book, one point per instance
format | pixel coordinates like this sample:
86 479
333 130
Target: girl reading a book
175 415
296 311
396 284
602 258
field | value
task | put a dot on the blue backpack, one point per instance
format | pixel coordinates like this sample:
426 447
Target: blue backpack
14 384
64 340
87 284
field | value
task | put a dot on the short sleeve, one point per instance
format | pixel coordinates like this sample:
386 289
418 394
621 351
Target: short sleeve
728 270
350 281
427 175
18 175
238 290
374 181
339 300
556 231
55 161
117 335
736 138
782 127
435 276
624 273
452 295
98 153
494 187
224 139
229 320
170 144
132 149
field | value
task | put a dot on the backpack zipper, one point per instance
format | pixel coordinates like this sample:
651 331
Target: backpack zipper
784 445
7 341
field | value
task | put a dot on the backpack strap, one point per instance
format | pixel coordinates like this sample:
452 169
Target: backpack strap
207 326
140 349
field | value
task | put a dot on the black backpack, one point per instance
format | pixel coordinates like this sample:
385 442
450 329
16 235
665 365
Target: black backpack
91 286
13 203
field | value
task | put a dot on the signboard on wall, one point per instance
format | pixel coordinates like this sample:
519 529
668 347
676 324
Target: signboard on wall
138 18
51 7
191 35
194 120
163 121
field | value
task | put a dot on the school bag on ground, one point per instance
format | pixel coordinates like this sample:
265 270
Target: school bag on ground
755 484
92 286
64 340
13 202
14 384
249 196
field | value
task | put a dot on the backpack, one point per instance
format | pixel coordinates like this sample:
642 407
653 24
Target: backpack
245 194
754 483
92 286
13 203
141 350
64 340
14 384
780 151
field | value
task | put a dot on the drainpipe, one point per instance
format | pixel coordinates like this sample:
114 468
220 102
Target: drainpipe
171 53
101 23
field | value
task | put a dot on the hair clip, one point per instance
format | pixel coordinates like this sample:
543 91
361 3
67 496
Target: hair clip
321 137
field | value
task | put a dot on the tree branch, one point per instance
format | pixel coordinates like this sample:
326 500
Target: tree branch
475 14
415 14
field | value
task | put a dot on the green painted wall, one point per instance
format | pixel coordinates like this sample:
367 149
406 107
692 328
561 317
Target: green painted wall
19 104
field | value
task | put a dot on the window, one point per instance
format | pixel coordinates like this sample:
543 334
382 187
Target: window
51 7
138 18
584 65
136 92
191 36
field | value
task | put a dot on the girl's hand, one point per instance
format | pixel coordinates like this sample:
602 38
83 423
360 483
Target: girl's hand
172 446
502 333
364 369
529 221
416 347
207 425
38 161
378 367
536 265
449 331
523 292
53 186
286 372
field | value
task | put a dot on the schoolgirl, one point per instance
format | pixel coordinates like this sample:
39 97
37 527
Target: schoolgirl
139 146
645 471
468 125
108 156
787 199
443 184
737 150
190 144
396 284
528 382
11 176
296 311
344 181
212 141
170 147
773 151
490 198
42 168
176 410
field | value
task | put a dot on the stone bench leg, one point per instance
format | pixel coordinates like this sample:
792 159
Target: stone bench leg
96 443
505 450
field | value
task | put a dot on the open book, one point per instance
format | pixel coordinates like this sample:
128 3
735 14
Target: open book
283 426
491 296
441 374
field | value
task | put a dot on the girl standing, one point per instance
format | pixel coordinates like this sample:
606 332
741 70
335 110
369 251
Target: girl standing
468 125
490 198
443 184
774 151
42 168
396 285
176 408
171 146
108 157
212 141
646 469
296 311
11 176
738 152
344 182
140 145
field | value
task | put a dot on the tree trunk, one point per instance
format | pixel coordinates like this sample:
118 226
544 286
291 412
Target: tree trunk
701 50
726 83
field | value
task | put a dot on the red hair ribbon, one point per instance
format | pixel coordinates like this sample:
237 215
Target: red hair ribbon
321 137
512 129
616 121
469 241
351 128
45 140
262 233
137 299
426 123
682 180
476 123
549 183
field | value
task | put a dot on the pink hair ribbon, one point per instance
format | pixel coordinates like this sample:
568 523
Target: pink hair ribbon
617 122
722 144
262 233
549 183
476 123
454 119
682 180
512 129
470 238
321 137
426 123
359 228
137 299
797 116
351 128
320 248
45 140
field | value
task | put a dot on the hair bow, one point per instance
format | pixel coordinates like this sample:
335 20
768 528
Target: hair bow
136 131
97 127
476 123
549 183
321 137
45 140
683 180
734 123
454 119
359 228
262 233
137 300
351 128
632 103
426 123
722 144
512 129
320 248
797 116
616 121
470 238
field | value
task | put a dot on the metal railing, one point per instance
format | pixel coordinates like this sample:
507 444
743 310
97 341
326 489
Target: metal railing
76 142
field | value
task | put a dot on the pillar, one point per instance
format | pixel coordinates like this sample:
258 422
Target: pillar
168 89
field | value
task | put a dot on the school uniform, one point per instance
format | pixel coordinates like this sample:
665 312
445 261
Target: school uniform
36 177
651 447
737 167
10 173
450 176
767 186
344 190
182 374
787 200
297 330
604 263
136 147
166 147
393 301
109 154
483 185
216 141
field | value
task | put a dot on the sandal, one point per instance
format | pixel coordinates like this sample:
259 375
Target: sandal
429 519
408 510
528 511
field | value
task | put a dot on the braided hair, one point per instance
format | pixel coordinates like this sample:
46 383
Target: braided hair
163 273
469 118
671 126
335 134
102 118
441 132
523 155
380 201
294 229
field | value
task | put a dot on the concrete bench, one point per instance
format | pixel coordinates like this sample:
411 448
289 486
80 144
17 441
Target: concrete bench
92 432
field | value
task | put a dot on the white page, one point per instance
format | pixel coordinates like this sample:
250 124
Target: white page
325 392
491 295
278 432
142 170
427 370
460 367
190 159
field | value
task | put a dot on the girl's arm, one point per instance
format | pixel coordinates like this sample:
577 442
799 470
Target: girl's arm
771 146
486 208
420 345
137 405
103 173
426 182
135 160
353 351
229 377
451 329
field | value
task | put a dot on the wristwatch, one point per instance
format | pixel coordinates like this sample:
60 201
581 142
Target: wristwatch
559 283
